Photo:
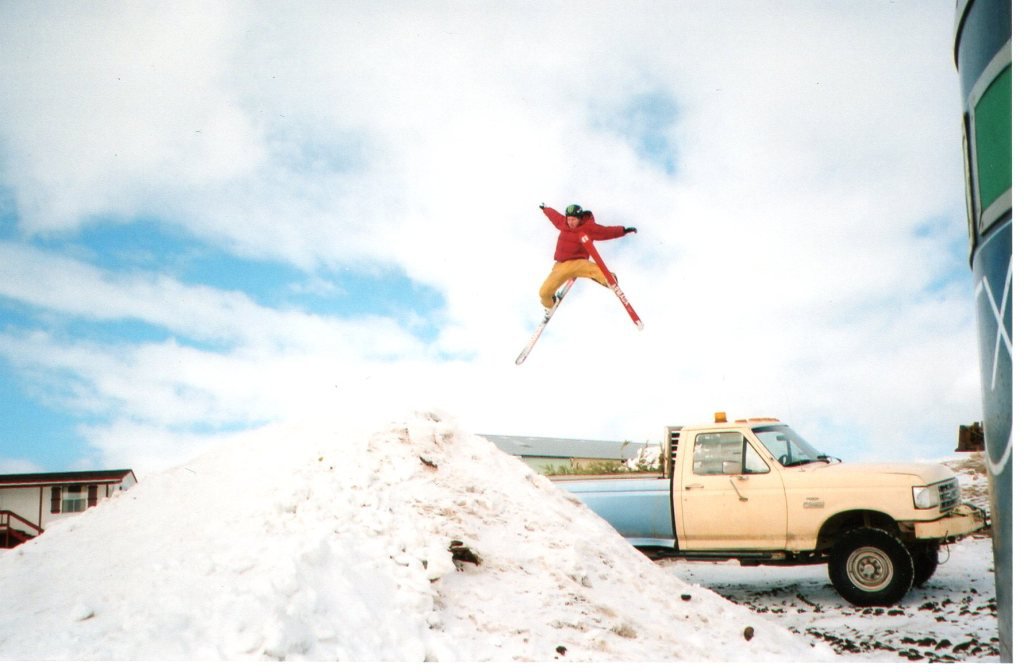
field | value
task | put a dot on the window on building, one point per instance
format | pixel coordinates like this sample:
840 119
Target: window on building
74 499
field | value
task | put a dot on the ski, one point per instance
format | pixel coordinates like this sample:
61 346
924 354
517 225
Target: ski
547 318
612 281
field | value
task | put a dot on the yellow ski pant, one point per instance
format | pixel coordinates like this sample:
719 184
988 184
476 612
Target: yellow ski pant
562 271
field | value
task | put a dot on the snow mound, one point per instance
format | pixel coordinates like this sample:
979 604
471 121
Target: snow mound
418 542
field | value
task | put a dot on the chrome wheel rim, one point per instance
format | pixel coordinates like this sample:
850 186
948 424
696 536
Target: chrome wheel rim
870 569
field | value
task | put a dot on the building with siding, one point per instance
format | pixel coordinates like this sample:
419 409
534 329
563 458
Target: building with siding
549 455
31 502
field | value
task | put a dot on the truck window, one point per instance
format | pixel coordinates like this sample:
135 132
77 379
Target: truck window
726 453
752 462
786 446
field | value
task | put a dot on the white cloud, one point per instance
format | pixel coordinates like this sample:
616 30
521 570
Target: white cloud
78 290
108 104
780 269
18 466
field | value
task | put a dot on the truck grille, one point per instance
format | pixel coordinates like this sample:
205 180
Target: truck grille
949 495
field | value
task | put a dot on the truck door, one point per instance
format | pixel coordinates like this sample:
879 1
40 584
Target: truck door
730 497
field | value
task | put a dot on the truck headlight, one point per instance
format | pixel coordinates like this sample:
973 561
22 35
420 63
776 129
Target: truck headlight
926 496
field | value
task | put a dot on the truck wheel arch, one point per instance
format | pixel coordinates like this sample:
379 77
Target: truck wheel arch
844 521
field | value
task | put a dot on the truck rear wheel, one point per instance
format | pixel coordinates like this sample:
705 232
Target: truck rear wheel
870 567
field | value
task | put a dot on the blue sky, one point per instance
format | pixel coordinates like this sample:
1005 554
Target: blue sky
219 215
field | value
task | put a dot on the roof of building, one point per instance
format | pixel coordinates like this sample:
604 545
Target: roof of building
84 477
535 446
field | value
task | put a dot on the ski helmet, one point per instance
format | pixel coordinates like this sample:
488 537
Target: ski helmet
573 211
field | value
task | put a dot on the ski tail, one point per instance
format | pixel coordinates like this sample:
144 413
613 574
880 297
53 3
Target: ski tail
559 295
613 283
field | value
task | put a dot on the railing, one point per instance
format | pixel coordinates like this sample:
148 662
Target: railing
8 528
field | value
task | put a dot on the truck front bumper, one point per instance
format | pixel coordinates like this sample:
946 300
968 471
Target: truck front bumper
959 522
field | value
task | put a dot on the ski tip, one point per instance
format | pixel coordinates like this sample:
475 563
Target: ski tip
640 325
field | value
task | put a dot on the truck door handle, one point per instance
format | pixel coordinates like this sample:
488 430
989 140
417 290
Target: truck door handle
695 486
738 493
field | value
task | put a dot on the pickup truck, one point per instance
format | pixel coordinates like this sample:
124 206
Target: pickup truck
756 492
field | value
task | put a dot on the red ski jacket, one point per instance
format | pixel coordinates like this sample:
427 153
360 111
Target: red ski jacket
569 245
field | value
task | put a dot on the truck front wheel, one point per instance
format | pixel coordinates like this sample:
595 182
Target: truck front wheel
870 567
926 561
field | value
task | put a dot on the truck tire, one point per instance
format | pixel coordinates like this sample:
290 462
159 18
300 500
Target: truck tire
870 567
926 561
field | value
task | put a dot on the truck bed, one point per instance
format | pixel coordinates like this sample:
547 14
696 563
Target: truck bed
638 507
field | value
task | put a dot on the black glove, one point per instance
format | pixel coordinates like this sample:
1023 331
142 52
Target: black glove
541 206
630 229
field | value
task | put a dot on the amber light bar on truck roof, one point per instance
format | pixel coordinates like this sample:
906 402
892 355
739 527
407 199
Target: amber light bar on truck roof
720 416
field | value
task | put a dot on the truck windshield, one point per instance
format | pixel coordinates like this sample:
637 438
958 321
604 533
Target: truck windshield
788 447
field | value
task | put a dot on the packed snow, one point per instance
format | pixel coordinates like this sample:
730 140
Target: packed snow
411 541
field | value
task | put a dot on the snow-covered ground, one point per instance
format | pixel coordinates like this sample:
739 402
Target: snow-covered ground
331 542
951 618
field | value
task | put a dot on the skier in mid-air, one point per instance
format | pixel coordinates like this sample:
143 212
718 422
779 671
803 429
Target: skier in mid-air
572 259
576 256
